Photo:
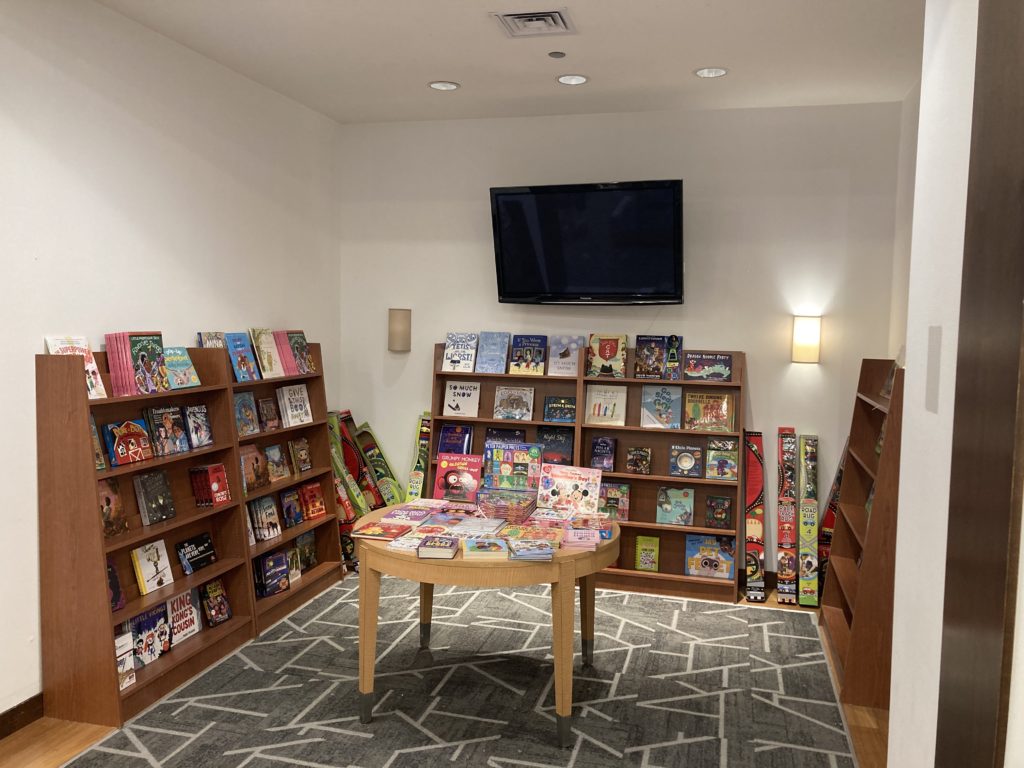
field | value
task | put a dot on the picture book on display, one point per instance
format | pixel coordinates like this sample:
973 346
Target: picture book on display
111 508
460 352
197 419
528 355
312 497
709 412
246 416
97 449
564 355
293 401
216 607
530 549
437 548
302 460
114 591
556 444
291 508
606 405
707 366
154 497
210 485
265 522
183 616
686 461
511 466
651 353
151 635
458 476
661 406
181 374
711 556
196 553
382 530
492 352
270 419
513 403
638 460
125 654
301 353
152 566
127 442
294 566
675 506
607 355
267 357
602 453
146 351
243 359
270 572
167 431
718 512
79 345
484 549
277 465
560 409
505 435
254 468
674 358
211 339
647 550
571 488
408 515
722 459
462 398
306 544
613 501
455 438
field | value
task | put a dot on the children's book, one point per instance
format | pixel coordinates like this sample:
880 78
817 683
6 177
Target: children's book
711 556
674 358
125 653
197 420
147 361
302 460
458 476
513 403
196 553
492 352
462 398
210 485
154 497
151 635
718 513
571 488
455 438
607 356
408 515
294 566
602 453
211 339
111 509
675 506
277 464
528 355
216 607
505 435
709 412
647 553
533 533
267 357
303 355
707 366
606 405
686 461
114 591
293 401
265 522
556 444
382 530
97 449
560 409
530 549
152 566
270 419
459 352
661 406
181 374
247 418
243 359
254 468
437 548
511 466
484 549
613 501
79 345
638 460
183 616
167 430
564 355
651 352
312 497
271 573
722 459
127 442
291 508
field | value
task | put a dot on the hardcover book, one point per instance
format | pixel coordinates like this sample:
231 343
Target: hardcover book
269 417
152 566
114 591
455 438
533 533
303 355
602 453
294 404
462 398
492 352
407 515
243 360
458 476
151 635
210 485
246 416
216 607
183 616
127 442
513 403
271 572
707 366
484 549
197 419
511 466
181 374
459 352
710 556
168 434
196 553
265 522
438 547
564 355
382 530
709 412
255 473
111 509
277 465
686 461
79 345
505 435
638 460
530 549
606 405
674 358
613 501
675 506
528 355
212 339
722 459
291 508
97 449
651 352
647 553
306 544
267 357
154 497
312 497
147 361
661 406
569 488
606 356
560 409
125 652
718 513
302 461
556 444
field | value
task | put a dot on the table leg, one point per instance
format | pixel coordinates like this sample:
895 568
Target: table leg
426 612
587 618
369 603
563 593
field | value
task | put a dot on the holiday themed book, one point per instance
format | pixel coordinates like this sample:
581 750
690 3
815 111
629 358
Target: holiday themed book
146 351
528 355
718 512
513 403
686 461
607 355
79 345
556 444
458 476
267 357
661 406
152 566
722 461
247 418
462 398
181 373
455 438
675 506
647 551
459 352
709 412
216 607
183 616
571 488
243 359
293 401
707 366
564 355
710 556
197 421
196 553
606 405
111 507
492 352
127 442
651 352
153 496
560 409
511 466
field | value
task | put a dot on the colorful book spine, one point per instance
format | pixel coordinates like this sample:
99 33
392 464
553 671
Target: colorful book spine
754 512
418 473
828 523
807 556
786 513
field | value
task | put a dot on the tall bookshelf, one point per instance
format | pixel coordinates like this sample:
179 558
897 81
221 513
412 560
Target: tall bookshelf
670 579
77 623
857 599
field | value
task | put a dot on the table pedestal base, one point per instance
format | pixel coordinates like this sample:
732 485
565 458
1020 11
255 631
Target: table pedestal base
365 707
424 636
564 731
588 653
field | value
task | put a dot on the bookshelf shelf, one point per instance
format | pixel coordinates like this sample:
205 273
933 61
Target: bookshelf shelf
153 599
875 401
632 380
163 461
658 576
857 520
270 434
158 397
509 423
288 534
243 386
186 517
676 528
869 468
283 485
507 376
669 479
652 430
845 570
309 579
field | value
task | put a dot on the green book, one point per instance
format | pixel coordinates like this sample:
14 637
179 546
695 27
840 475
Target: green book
647 553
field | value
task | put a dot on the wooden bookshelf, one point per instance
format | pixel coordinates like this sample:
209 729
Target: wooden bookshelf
857 599
671 578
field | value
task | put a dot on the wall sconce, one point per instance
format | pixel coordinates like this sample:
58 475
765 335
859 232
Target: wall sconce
399 330
806 339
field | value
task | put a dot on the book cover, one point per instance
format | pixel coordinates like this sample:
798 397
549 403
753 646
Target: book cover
606 405
306 544
651 353
246 416
122 380
124 651
710 556
407 515
312 497
97 449
564 355
513 403
556 444
718 512
484 549
168 433
382 530
266 524
111 508
294 402
686 461
114 591
722 459
267 358
181 374
152 566
196 553
216 607
79 345
707 366
455 438
560 409
272 573
661 406
613 501
183 616
571 488
458 476
674 358
438 547
709 412
284 351
492 352
304 361
533 533
462 398
606 355
675 506
151 635
528 355
530 549
638 460
266 408
212 480
302 461
294 566
255 473
505 435
277 465
147 360
511 466
291 508
459 352
127 442
154 497
212 339
243 359
197 419
602 453
647 553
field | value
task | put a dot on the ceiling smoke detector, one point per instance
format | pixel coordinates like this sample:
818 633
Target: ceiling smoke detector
536 24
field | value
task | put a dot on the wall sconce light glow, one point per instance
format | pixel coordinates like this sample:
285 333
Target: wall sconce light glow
806 339
399 330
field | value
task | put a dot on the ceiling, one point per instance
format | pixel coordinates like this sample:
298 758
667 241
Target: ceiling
370 60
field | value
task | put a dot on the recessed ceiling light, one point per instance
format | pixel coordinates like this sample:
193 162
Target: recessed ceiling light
444 85
556 54
572 79
711 72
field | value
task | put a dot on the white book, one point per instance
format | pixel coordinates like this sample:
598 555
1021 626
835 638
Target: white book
462 398
460 352
606 405
79 345
265 347
293 405
183 616
123 651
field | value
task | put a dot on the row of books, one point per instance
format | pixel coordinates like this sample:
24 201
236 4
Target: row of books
269 464
657 357
276 572
153 568
709 556
556 443
290 408
297 505
262 353
720 460
161 431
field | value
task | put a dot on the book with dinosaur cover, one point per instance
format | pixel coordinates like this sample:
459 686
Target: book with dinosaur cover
492 352
79 345
707 366
661 406
528 355
564 355
651 352
675 506
459 352
462 398
607 355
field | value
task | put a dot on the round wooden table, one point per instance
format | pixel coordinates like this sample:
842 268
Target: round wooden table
562 573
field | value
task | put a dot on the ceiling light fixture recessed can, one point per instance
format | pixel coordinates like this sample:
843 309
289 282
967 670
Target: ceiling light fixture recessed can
443 85
556 54
572 79
711 72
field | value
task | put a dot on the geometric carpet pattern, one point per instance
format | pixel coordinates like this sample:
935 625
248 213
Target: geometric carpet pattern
674 682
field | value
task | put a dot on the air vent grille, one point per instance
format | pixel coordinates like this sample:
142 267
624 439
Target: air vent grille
536 24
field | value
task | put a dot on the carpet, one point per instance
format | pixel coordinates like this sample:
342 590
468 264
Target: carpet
675 683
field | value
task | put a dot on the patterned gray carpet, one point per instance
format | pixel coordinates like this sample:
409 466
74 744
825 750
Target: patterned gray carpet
674 683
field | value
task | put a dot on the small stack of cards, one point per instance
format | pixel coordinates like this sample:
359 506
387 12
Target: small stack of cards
513 506
530 549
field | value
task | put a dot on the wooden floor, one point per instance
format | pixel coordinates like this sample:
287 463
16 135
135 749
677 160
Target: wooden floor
48 743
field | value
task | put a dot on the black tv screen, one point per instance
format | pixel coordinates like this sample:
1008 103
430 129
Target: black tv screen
616 243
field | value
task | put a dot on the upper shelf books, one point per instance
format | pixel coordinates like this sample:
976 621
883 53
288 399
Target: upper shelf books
564 355
606 405
528 355
460 352
492 352
79 345
607 355
707 366
262 353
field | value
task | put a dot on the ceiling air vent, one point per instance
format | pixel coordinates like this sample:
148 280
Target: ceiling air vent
536 24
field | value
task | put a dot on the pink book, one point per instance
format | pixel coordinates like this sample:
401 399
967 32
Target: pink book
284 351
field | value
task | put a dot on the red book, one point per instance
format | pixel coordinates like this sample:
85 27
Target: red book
458 476
312 499
383 531
284 351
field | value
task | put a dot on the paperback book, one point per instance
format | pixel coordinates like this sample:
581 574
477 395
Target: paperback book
267 357
152 566
125 654
196 553
312 497
556 444
246 416
254 468
270 418
305 363
197 420
707 366
570 488
607 356
458 476
302 461
686 461
168 434
709 412
560 409
613 501
211 339
528 355
243 359
183 616
606 405
382 531
154 497
564 355
722 459
306 544
181 373
661 406
210 485
651 352
530 549
602 453
151 635
438 548
111 508
266 524
513 403
506 435
455 438
647 551
216 607
271 574
459 352
484 549
79 345
291 508
146 351
277 464
97 449
710 556
492 352
675 506
462 398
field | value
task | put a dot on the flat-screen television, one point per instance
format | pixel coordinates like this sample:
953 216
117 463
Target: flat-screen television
618 243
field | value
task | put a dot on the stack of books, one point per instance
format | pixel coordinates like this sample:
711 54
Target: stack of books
530 549
581 539
513 506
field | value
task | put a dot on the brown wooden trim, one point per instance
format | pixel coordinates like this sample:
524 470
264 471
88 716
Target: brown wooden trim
17 717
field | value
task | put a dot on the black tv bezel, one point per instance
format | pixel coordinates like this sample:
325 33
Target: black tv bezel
676 297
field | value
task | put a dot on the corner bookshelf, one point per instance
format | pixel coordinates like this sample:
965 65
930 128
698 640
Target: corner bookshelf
670 579
857 599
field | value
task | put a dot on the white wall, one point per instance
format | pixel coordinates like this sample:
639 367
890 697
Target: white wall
943 152
909 115
786 210
141 186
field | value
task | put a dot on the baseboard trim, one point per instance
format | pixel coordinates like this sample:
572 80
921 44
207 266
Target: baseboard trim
17 717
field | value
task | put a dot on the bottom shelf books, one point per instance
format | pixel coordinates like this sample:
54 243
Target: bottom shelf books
706 555
276 572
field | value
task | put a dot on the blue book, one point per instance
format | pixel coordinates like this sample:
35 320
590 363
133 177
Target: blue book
492 352
661 406
455 438
243 359
675 506
711 556
528 355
